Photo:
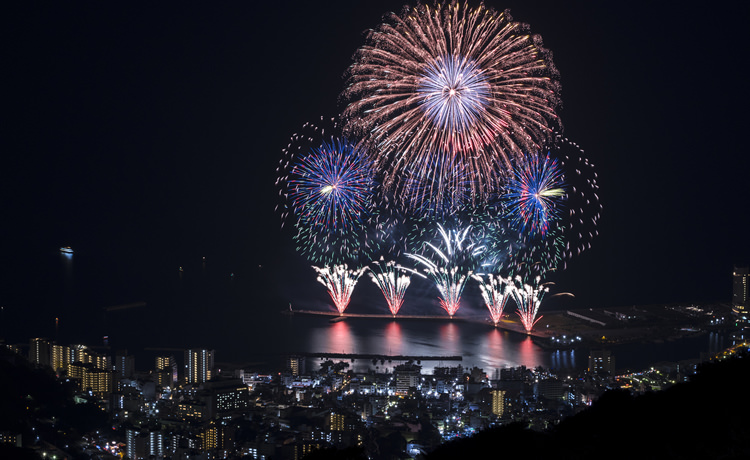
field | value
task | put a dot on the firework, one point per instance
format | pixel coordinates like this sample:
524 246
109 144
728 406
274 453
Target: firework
392 282
451 86
528 298
534 194
330 188
326 189
340 282
429 196
495 292
579 225
449 271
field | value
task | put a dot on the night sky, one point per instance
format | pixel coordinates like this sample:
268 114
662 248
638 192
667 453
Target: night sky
157 129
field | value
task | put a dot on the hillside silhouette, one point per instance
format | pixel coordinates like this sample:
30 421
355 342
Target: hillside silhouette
705 418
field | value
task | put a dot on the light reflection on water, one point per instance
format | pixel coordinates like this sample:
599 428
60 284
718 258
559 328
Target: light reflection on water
478 344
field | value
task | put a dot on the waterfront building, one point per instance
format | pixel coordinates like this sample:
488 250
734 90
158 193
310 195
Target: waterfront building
199 365
296 364
406 376
601 361
740 294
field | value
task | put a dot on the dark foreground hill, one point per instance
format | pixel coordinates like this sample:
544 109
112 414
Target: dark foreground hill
706 418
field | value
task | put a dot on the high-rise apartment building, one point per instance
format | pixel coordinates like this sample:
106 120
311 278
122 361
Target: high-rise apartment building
601 361
166 371
199 365
40 351
124 365
498 402
296 364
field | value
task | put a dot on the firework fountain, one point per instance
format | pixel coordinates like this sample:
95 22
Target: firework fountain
495 292
528 298
449 271
392 282
340 282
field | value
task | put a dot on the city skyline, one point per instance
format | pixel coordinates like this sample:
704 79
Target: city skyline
156 134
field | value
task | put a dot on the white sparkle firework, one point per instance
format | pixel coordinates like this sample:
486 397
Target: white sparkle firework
528 298
448 272
340 282
495 292
392 282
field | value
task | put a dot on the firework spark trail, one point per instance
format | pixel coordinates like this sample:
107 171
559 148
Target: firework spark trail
495 292
449 272
528 298
451 85
340 282
392 283
429 196
534 193
582 199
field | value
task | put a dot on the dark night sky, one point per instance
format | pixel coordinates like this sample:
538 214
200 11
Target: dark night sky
158 128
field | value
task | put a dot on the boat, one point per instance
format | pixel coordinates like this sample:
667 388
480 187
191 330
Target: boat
66 250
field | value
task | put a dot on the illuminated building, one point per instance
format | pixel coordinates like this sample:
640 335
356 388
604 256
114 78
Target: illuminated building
296 364
306 447
498 402
61 357
135 444
10 438
156 444
406 376
99 381
225 397
166 371
89 377
213 436
192 410
199 365
39 351
601 361
124 365
336 422
144 444
740 296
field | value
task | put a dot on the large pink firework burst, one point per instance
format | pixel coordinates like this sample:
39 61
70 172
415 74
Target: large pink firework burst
446 86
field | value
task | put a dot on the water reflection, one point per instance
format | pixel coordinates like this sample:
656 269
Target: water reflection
715 342
67 268
450 339
563 359
477 344
394 339
340 339
528 353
